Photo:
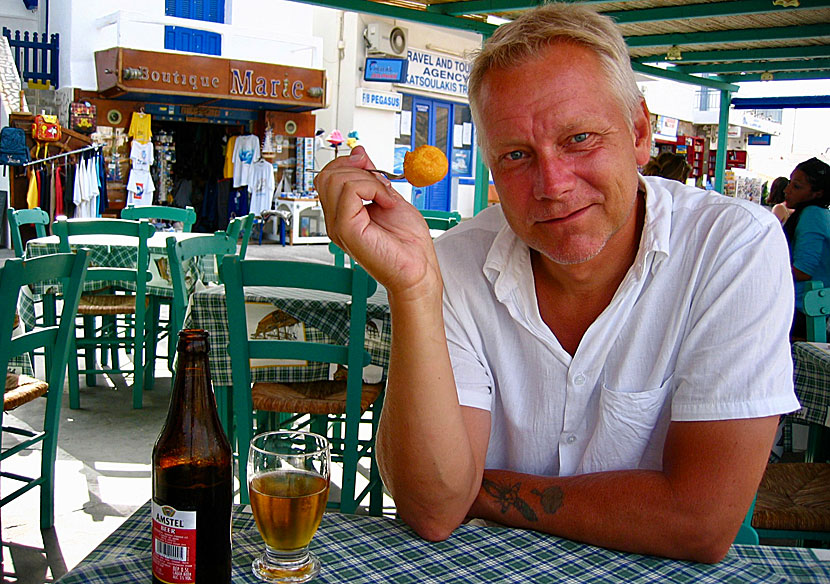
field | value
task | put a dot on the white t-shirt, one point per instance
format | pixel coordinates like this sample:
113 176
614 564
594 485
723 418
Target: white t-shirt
141 155
697 330
261 187
245 153
140 188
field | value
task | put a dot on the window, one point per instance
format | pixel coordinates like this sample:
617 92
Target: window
179 38
208 10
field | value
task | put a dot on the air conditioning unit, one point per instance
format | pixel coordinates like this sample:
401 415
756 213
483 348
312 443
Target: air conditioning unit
386 39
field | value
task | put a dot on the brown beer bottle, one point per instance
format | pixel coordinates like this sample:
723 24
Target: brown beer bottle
192 478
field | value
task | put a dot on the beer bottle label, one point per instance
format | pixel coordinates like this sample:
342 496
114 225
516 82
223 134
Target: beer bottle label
174 545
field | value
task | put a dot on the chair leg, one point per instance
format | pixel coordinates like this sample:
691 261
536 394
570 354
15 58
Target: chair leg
224 406
72 374
89 351
139 349
244 434
151 335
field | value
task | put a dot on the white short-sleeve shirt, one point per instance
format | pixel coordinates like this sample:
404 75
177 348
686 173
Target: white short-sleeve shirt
697 330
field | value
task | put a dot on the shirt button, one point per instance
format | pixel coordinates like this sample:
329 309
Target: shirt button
571 439
579 379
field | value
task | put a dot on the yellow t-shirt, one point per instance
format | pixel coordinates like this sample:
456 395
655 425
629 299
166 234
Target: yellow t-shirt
140 127
228 170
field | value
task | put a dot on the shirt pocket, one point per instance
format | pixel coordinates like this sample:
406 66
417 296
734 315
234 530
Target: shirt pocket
625 427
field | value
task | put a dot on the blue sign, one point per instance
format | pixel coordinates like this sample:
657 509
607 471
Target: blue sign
386 69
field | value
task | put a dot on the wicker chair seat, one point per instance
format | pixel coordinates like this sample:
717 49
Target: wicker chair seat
21 389
794 496
314 397
107 304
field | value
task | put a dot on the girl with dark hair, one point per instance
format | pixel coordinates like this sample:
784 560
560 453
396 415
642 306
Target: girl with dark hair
776 199
808 230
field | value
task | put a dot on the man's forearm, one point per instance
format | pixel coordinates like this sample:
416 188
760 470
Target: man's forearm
424 450
633 511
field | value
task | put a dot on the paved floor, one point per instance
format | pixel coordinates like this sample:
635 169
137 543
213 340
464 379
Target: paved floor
103 465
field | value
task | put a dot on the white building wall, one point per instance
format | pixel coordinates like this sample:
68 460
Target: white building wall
271 32
669 98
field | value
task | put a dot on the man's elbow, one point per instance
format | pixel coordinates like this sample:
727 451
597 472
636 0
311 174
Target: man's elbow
704 545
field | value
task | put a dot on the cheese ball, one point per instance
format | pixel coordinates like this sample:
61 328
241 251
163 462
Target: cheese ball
424 166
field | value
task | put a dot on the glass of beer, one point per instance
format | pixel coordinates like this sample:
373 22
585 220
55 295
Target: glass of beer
288 484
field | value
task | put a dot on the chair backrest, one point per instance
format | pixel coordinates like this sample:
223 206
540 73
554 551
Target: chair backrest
37 217
140 230
746 533
441 219
178 254
816 308
354 283
69 269
241 226
186 216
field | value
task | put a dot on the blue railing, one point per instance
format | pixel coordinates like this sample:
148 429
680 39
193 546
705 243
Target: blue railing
36 59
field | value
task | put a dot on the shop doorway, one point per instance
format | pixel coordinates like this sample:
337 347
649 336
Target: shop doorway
189 169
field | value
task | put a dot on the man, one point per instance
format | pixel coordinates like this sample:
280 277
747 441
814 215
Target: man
592 357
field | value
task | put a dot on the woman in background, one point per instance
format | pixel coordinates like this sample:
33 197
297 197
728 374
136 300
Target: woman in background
668 165
775 199
808 231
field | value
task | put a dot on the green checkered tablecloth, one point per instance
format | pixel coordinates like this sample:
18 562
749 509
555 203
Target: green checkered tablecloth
325 316
360 549
119 252
811 374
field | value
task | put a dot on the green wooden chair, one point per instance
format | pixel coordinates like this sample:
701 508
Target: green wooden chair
187 215
334 408
133 303
37 217
69 269
442 220
241 227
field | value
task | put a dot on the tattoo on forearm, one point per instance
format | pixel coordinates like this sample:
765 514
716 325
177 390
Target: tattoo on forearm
507 497
551 499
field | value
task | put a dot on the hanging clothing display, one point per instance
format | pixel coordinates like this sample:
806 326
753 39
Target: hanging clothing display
32 194
261 186
245 153
140 187
227 171
140 127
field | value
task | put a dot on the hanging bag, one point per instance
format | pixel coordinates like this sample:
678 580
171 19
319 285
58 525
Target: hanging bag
45 129
13 149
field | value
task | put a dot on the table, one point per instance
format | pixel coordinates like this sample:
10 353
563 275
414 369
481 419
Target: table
119 251
322 315
811 375
358 549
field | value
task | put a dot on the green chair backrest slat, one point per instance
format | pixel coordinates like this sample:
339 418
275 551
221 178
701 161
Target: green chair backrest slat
295 274
187 215
17 217
141 230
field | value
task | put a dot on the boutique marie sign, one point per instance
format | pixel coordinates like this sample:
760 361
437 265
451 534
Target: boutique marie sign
437 72
123 71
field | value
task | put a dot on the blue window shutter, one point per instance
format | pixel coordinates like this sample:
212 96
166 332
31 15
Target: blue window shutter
180 38
208 10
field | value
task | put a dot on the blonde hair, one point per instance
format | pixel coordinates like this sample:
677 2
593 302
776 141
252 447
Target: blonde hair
525 38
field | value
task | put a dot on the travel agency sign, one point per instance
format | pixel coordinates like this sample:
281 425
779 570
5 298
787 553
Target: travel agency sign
437 72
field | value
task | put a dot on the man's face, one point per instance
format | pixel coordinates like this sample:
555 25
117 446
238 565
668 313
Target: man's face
562 152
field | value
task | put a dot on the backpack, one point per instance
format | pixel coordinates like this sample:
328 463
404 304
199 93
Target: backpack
13 149
45 129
